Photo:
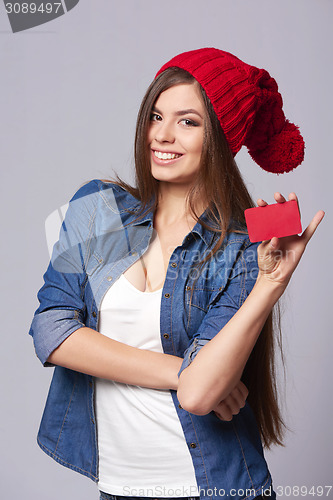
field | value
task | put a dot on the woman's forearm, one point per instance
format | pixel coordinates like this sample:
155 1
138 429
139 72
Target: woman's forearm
90 352
219 364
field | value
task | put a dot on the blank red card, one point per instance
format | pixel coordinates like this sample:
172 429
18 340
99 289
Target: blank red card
279 219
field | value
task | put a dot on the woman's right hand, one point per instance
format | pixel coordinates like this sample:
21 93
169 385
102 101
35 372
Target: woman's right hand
279 257
233 403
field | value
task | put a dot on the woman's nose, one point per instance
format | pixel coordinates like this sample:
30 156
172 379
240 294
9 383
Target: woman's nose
165 133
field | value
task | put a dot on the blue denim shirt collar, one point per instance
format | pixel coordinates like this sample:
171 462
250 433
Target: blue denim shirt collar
205 234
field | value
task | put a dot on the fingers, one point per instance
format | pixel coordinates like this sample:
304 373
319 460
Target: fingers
261 203
233 403
242 389
274 244
292 196
226 410
279 198
229 407
309 231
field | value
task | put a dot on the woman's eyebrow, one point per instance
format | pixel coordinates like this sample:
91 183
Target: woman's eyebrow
181 112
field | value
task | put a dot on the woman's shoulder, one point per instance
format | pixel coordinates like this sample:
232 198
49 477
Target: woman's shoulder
106 190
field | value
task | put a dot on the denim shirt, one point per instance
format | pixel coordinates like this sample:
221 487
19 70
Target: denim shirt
100 238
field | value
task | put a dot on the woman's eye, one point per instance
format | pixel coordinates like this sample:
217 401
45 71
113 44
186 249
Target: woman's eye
190 123
155 117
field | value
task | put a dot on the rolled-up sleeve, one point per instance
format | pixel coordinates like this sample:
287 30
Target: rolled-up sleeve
241 280
62 308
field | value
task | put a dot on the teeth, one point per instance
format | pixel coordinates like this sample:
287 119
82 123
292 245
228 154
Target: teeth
166 156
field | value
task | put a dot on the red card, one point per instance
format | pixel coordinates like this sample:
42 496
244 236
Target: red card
279 219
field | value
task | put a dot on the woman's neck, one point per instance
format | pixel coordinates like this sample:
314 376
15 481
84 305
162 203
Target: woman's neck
172 206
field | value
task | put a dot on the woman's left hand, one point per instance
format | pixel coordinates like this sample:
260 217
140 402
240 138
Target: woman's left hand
279 257
233 403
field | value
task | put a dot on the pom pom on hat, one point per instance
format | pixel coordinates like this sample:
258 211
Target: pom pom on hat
284 151
248 105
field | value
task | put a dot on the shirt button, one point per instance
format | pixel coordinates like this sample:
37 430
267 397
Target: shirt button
109 278
180 406
166 335
174 264
188 288
94 314
134 253
193 445
167 295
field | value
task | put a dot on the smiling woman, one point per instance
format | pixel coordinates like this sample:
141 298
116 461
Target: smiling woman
157 309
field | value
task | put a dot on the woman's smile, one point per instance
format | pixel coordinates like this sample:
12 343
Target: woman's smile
165 158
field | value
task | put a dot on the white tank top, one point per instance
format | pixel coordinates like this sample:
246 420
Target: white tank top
142 449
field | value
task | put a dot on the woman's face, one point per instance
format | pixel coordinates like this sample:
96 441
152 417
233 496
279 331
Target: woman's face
176 134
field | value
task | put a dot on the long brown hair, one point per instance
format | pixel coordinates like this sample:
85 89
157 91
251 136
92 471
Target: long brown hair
222 185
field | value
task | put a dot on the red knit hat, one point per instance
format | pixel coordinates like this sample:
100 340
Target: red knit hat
248 105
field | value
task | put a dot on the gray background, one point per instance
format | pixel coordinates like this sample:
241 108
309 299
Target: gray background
70 91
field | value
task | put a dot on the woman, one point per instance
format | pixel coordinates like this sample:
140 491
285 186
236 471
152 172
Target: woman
156 308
